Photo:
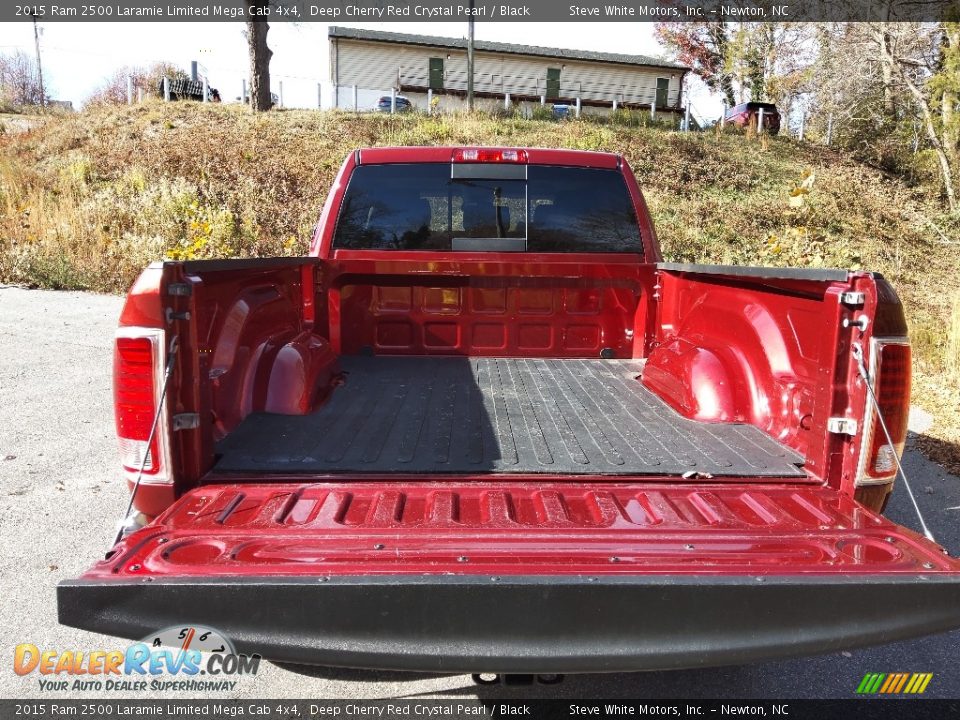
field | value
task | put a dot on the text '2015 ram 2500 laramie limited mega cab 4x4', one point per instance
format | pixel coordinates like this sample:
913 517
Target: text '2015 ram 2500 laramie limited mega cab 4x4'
483 428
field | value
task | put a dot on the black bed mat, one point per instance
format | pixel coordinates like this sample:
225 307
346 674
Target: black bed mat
501 415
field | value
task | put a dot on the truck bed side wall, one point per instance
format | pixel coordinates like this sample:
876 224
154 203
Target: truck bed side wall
765 348
721 348
247 343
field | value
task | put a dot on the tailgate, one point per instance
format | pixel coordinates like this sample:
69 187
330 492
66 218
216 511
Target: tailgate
522 577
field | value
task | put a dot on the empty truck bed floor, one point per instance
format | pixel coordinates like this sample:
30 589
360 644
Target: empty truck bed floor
477 415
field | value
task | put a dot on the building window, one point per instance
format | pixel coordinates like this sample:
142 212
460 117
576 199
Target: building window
436 73
663 85
553 83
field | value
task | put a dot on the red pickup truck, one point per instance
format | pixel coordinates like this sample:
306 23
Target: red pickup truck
484 428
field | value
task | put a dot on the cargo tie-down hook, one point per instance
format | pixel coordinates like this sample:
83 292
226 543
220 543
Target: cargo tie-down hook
862 368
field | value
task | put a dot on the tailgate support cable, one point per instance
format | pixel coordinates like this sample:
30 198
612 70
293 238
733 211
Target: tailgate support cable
858 354
167 374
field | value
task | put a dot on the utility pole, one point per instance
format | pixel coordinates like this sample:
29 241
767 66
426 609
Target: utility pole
36 42
470 59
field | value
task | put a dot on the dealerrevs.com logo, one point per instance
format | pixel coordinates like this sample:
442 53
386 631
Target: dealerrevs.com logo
185 658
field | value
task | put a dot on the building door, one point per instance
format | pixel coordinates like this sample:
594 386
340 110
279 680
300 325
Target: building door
436 73
663 85
553 83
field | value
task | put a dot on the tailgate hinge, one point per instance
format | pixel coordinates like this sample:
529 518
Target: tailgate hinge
186 421
842 426
853 299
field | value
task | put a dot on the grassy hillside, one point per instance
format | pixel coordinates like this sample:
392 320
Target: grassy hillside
88 199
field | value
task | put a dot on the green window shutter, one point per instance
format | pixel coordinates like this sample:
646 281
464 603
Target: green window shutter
553 83
663 85
436 73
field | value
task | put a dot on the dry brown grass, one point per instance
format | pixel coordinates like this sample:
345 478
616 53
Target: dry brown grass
952 352
940 394
86 200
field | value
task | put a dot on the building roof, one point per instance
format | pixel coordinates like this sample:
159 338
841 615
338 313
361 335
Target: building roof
499 47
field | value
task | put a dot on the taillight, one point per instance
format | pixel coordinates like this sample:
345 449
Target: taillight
890 371
489 155
137 364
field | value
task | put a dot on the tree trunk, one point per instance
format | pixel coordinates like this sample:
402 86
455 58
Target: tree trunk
902 67
721 43
886 72
947 113
770 57
260 55
945 161
949 99
726 87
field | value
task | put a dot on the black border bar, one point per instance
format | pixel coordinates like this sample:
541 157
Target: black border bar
426 11
489 702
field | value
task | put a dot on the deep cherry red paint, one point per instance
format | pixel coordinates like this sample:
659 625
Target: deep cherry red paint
720 347
519 529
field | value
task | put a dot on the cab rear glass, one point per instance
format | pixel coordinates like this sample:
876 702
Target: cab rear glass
535 208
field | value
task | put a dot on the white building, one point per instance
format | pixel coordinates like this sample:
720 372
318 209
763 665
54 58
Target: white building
376 62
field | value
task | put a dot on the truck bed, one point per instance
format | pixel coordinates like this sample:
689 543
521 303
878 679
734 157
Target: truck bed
498 415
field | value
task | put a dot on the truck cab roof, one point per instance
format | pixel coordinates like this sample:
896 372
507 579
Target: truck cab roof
535 156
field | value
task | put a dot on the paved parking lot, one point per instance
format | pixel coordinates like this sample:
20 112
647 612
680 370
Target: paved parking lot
60 498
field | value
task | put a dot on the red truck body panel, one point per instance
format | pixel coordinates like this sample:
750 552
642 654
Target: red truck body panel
493 304
321 245
256 342
518 528
535 156
603 570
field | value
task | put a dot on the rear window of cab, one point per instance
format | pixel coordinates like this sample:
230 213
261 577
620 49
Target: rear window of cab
533 208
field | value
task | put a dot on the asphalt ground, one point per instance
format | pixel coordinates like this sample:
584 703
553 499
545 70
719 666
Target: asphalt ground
60 497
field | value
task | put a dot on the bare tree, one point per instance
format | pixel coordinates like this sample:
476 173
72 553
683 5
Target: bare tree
743 60
704 46
946 86
912 52
20 80
772 61
856 93
113 90
260 54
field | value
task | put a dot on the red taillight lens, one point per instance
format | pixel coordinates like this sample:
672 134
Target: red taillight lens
489 155
134 389
892 387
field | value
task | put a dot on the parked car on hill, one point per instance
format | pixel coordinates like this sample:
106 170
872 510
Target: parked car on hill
402 104
748 114
181 89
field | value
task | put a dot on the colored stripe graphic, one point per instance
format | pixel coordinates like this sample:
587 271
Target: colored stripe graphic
903 681
918 683
890 681
894 683
870 683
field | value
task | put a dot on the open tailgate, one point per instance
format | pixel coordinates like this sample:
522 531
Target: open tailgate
522 577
